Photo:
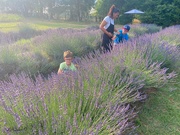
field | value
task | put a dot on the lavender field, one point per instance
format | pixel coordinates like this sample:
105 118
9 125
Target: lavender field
100 98
41 51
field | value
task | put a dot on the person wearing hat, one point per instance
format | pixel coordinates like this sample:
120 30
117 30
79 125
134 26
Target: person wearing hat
107 26
67 65
122 35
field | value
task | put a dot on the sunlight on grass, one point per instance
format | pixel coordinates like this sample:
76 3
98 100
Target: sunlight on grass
48 25
160 114
5 17
10 26
39 25
23 41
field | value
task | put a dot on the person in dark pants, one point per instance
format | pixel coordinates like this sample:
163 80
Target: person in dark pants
107 26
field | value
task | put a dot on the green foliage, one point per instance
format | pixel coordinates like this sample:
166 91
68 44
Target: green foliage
137 31
107 80
53 47
23 42
9 27
165 13
26 31
53 104
44 53
10 17
165 48
140 29
102 7
8 62
136 62
38 25
74 9
164 101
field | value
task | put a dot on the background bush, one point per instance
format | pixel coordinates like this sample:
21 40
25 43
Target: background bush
141 29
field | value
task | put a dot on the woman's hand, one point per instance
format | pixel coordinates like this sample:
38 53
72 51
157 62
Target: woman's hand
110 34
113 38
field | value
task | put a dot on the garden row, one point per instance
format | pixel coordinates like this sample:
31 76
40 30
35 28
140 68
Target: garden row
97 98
43 53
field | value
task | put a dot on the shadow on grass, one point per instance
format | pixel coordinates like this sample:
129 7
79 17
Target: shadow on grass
160 115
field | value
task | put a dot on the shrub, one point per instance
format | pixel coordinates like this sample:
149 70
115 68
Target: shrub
26 31
44 52
68 105
94 100
136 21
8 62
140 29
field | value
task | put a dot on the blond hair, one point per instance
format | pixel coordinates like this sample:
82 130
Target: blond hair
68 54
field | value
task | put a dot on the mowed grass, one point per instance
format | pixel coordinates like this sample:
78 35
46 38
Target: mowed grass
43 25
9 26
40 25
160 114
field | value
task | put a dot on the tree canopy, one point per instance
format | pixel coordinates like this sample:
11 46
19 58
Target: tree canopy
160 12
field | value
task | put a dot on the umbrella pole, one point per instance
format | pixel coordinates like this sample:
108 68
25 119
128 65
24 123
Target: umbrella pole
133 17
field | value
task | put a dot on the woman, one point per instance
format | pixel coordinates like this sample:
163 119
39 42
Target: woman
107 26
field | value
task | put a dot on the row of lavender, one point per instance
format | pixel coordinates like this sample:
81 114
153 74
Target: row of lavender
97 98
44 52
26 32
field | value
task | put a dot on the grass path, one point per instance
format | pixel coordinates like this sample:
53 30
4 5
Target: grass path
160 114
41 24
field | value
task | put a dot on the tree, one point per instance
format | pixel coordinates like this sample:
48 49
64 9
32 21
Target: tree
160 12
164 13
102 7
79 9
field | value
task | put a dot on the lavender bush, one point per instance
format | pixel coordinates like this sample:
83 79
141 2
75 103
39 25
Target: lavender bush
163 47
94 100
74 104
170 35
25 32
140 29
44 52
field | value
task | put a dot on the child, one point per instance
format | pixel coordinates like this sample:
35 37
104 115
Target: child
122 35
67 65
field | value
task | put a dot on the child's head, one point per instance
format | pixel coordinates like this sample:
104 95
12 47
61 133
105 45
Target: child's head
126 29
68 57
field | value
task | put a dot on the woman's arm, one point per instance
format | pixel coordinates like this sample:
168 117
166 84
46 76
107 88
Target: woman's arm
103 23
